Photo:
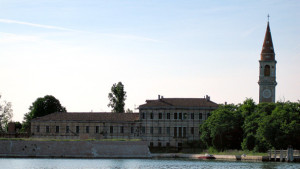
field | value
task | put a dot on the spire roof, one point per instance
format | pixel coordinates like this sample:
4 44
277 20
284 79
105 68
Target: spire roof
268 44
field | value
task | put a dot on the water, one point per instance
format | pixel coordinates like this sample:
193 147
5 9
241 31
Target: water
12 163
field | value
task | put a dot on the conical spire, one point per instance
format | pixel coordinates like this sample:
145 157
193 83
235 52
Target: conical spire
267 52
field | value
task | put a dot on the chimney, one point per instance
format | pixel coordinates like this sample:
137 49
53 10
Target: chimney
158 97
225 103
207 98
162 97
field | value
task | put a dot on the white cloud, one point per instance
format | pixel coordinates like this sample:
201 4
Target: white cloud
14 38
36 25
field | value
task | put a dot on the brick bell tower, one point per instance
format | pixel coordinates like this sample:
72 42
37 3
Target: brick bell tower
267 70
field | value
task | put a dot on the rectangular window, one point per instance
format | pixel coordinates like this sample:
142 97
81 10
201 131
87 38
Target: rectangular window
184 132
37 129
192 130
122 129
97 129
208 114
175 131
143 115
151 115
77 129
160 115
168 116
143 130
159 130
200 116
175 115
151 144
168 130
151 130
87 129
67 129
159 144
185 116
180 116
180 131
192 115
132 130
56 129
111 129
47 129
168 144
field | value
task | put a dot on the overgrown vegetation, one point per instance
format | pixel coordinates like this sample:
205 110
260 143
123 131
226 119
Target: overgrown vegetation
252 127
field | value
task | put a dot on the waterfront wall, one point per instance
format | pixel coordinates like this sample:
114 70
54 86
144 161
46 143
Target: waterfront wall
74 149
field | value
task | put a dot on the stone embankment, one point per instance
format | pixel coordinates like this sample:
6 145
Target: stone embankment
218 157
74 149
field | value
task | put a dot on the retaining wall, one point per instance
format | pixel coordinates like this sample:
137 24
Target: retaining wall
74 149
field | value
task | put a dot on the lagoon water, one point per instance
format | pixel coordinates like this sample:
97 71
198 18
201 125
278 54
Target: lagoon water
19 163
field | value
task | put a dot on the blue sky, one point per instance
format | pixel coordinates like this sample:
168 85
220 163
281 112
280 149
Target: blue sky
76 50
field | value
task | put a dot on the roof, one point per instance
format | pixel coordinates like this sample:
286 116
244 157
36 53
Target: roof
179 102
268 49
97 116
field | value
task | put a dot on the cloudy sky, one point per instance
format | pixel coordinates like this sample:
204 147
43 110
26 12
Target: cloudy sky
75 50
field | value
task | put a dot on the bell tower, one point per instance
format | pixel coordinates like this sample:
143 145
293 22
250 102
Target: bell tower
267 69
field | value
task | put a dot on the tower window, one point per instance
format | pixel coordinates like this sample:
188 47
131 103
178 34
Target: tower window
267 70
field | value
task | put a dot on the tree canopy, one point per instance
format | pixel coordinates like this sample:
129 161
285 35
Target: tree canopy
42 106
254 127
117 98
6 114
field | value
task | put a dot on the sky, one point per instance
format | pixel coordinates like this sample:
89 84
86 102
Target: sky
76 50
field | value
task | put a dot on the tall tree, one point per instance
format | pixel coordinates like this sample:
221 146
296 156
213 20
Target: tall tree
6 114
117 98
41 107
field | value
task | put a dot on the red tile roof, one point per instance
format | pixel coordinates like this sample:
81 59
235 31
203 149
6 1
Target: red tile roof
179 102
97 116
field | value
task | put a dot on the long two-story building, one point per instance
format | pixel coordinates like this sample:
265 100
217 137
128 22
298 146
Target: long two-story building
165 122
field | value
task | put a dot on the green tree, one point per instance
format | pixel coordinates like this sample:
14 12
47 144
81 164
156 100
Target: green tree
41 107
222 129
6 114
117 98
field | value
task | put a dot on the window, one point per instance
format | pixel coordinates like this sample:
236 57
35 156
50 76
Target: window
267 70
184 116
168 116
159 130
56 129
77 129
151 115
47 129
151 144
122 129
175 115
143 115
37 129
151 130
184 132
159 144
180 131
168 130
192 130
160 115
132 130
97 129
168 144
67 129
111 129
87 129
180 116
200 116
192 115
208 114
175 131
143 129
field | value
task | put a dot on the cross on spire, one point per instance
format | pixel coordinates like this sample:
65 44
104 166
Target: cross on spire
268 17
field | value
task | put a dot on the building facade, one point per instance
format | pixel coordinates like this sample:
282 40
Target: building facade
165 122
267 70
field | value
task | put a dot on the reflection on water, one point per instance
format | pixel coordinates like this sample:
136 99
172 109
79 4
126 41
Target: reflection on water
13 163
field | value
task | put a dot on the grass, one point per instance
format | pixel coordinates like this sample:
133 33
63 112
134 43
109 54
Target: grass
46 139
